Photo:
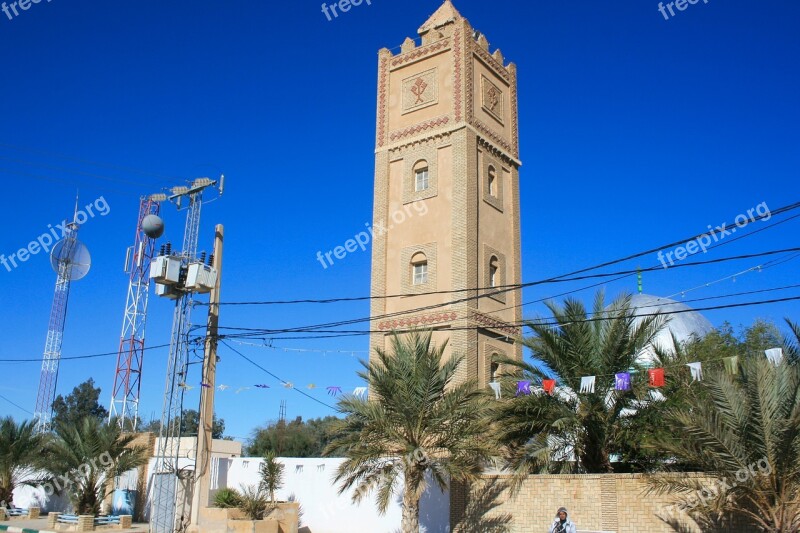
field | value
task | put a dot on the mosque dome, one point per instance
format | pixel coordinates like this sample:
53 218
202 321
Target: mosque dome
684 322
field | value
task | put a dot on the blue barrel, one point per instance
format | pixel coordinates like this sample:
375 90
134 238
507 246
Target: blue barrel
123 502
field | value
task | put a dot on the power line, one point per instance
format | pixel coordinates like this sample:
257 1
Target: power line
15 405
78 357
495 291
556 279
243 356
252 332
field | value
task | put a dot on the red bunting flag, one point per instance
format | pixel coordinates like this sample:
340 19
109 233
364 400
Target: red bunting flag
549 385
656 376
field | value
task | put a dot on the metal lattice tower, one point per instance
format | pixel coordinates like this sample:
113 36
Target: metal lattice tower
124 403
166 471
55 335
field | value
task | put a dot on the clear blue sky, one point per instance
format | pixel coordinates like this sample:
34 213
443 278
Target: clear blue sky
635 131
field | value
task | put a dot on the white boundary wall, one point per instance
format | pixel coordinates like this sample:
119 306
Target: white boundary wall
324 510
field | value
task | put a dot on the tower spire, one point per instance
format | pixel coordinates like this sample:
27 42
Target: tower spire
446 13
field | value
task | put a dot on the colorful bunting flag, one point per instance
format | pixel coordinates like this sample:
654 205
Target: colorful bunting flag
524 388
205 385
697 371
311 386
549 385
497 390
656 377
774 355
587 384
732 365
289 385
334 391
622 381
258 387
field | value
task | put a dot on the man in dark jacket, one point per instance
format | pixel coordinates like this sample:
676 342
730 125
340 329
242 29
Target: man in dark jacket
562 523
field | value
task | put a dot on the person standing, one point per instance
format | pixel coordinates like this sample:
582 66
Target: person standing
562 523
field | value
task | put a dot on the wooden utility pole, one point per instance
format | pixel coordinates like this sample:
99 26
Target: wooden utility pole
202 465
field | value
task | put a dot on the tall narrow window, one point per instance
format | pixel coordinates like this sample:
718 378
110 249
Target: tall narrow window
493 370
421 179
494 272
492 181
419 269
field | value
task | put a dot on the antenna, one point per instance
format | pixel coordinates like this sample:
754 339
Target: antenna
71 261
124 404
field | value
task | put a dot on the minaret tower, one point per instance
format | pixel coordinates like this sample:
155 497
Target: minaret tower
446 214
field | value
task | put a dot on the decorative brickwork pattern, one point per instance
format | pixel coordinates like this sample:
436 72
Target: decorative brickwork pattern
417 321
492 63
457 74
420 91
490 322
418 128
383 90
420 53
492 99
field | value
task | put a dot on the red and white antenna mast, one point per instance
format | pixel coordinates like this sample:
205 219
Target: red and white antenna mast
124 406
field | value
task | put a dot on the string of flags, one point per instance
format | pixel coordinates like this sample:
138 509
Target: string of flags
622 380
333 390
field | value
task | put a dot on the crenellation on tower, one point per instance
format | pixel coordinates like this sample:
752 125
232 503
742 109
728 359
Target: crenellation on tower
447 137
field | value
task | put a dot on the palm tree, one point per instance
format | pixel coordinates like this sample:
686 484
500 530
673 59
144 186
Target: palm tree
418 421
89 455
20 451
570 431
792 345
271 471
746 432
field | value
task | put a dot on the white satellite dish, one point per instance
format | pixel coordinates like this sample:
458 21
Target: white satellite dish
74 255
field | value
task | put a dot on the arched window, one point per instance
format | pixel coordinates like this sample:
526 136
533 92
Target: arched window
494 272
421 176
492 177
419 269
494 370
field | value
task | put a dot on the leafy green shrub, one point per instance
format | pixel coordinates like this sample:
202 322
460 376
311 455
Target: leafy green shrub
227 499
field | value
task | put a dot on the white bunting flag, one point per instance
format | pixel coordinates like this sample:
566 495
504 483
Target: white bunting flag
587 384
774 355
360 392
697 371
497 391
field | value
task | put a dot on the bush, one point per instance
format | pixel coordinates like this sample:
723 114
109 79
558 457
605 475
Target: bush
254 503
227 499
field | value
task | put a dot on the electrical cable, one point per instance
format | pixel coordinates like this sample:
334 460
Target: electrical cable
79 357
779 211
240 354
15 405
252 332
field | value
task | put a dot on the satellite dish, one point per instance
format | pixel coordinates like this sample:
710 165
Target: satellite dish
74 255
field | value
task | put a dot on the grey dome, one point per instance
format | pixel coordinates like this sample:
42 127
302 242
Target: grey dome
683 325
